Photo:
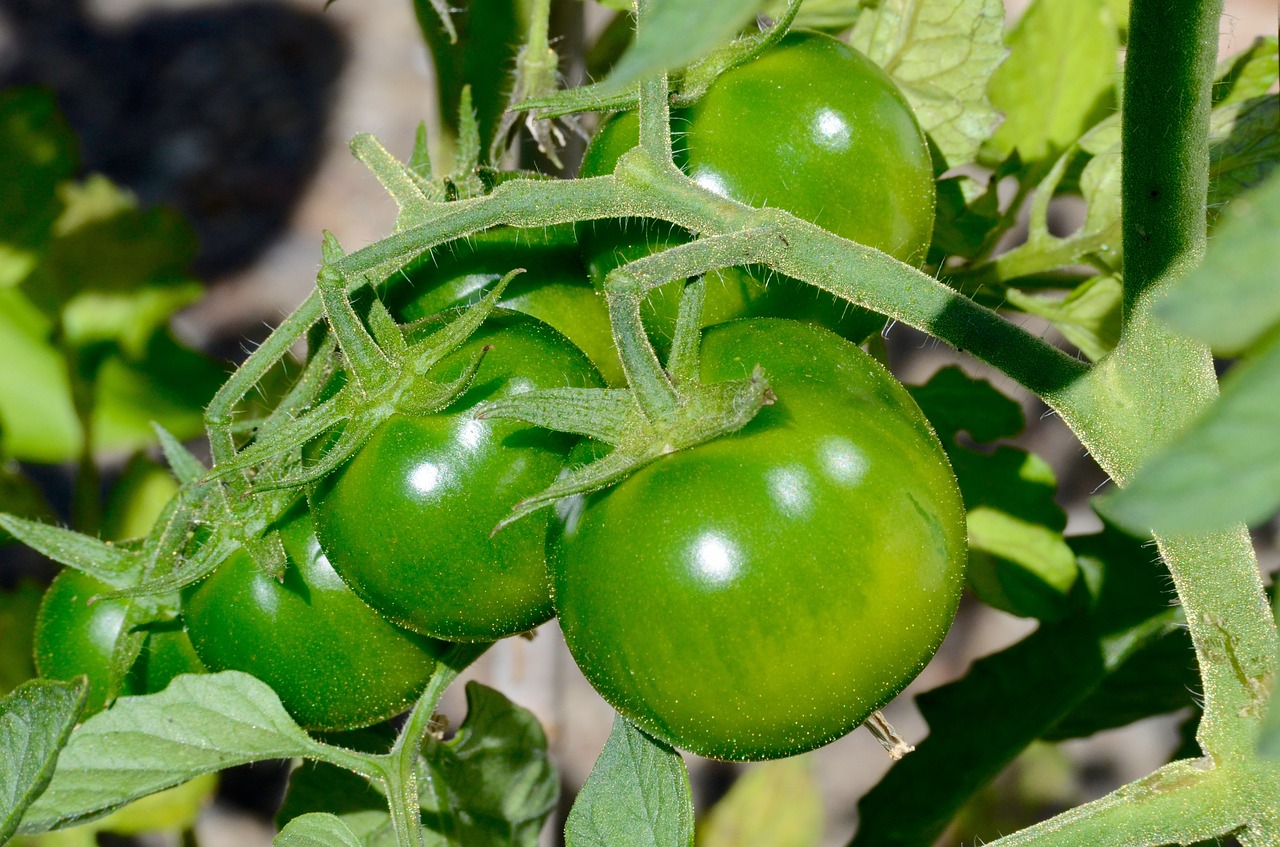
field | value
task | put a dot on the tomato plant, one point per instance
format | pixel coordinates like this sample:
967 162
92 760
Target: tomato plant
776 620
812 126
407 520
761 540
334 662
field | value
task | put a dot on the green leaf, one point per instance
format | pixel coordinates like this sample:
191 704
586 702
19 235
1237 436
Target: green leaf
1244 147
676 33
499 785
1269 740
316 830
636 796
1224 469
967 213
199 724
37 152
774 804
981 723
39 421
942 55
1233 298
18 609
1089 317
1058 81
1248 74
35 721
955 402
1018 560
322 787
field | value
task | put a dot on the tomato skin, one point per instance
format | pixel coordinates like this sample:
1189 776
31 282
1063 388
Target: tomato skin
554 288
760 595
75 637
335 663
813 127
406 521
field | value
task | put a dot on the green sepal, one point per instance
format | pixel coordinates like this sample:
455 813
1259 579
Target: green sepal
467 153
603 414
396 177
185 466
92 556
188 570
419 164
365 360
268 554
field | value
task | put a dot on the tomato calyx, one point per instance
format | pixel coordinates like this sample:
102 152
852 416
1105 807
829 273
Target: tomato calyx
638 429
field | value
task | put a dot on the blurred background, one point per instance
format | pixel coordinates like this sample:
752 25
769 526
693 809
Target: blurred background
237 115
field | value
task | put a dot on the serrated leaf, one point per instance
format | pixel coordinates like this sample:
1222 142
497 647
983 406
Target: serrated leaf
499 783
677 32
199 724
18 609
1058 81
35 721
955 402
1233 298
942 54
1248 74
1244 148
1224 469
774 804
980 723
1089 317
316 830
637 795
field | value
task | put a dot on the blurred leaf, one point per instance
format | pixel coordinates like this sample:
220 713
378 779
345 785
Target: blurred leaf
1100 181
967 213
320 787
1058 81
18 608
828 15
199 724
1088 317
954 402
173 809
35 398
676 33
1233 299
499 785
942 54
979 724
1018 560
37 151
1244 147
773 804
316 830
637 795
35 722
19 495
136 499
1248 74
1224 469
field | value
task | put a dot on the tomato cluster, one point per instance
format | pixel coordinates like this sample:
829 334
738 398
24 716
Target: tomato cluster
752 597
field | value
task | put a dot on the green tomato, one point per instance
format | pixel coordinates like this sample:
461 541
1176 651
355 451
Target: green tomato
334 662
761 594
813 127
407 520
74 636
554 288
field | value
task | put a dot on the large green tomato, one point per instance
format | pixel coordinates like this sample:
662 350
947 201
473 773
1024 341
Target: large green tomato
407 520
74 637
335 663
813 127
761 594
554 288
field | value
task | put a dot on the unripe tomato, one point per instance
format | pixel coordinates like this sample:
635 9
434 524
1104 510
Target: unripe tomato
813 127
335 663
406 521
761 594
74 637
554 287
